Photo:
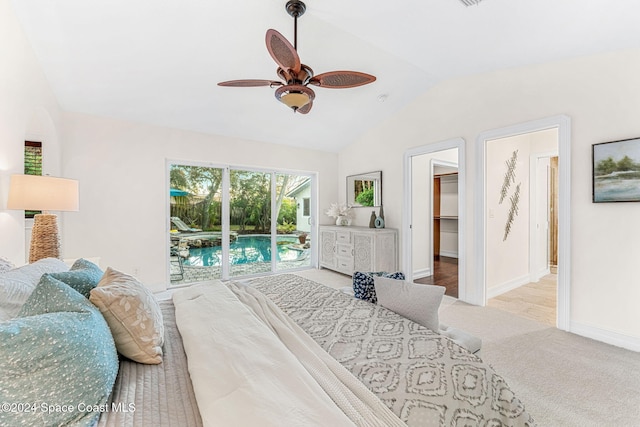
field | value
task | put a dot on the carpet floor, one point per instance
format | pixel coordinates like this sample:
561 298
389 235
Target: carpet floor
563 379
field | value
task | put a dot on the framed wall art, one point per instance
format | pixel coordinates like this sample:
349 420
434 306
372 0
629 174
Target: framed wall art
616 171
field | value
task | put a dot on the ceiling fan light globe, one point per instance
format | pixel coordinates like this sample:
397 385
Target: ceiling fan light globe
294 96
295 100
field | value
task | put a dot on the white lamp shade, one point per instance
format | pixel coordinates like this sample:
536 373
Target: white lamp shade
43 193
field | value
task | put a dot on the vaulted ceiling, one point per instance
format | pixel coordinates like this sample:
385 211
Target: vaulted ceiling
159 62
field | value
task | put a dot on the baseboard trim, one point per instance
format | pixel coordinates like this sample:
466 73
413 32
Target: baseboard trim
449 254
423 272
540 275
603 335
507 286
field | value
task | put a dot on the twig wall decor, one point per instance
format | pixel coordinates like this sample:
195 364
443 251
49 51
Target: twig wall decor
510 178
513 211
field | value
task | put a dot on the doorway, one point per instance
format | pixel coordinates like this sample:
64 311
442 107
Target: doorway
423 219
442 219
514 227
520 279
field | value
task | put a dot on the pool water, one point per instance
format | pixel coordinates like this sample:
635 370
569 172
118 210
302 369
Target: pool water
245 250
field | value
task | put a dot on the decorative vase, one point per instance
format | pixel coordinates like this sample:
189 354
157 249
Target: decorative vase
381 214
372 220
342 220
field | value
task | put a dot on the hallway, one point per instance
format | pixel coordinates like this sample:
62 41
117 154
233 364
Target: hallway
535 301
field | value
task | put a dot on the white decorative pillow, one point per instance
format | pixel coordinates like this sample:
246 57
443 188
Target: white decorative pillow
16 285
34 271
15 289
133 315
5 264
419 303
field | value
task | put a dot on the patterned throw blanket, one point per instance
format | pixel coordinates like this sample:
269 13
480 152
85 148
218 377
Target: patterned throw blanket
251 365
424 378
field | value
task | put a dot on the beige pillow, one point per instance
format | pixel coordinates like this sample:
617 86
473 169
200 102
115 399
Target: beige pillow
419 303
133 315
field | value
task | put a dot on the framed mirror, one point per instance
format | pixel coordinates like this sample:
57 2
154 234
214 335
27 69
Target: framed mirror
364 190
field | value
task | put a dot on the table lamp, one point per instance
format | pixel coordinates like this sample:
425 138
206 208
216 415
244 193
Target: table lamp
43 193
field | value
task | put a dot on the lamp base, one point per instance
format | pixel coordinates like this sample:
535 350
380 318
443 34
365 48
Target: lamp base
45 241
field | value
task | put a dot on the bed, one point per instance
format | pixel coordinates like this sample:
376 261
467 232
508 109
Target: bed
413 370
284 350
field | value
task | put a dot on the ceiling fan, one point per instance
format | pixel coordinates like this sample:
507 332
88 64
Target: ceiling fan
295 92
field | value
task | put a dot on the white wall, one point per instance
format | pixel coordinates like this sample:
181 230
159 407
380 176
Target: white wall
601 95
123 193
507 258
28 110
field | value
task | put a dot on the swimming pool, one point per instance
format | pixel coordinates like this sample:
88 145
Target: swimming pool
245 250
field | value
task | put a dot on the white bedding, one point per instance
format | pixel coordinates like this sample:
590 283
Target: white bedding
251 365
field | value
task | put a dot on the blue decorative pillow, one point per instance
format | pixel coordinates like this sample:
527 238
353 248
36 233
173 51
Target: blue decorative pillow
363 286
59 351
83 276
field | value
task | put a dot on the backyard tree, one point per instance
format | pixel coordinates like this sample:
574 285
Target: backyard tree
250 199
198 180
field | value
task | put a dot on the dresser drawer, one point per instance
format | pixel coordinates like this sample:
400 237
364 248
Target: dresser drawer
344 251
345 265
343 236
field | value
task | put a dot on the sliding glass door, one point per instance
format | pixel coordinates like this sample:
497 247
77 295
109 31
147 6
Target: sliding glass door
250 221
195 217
293 221
229 222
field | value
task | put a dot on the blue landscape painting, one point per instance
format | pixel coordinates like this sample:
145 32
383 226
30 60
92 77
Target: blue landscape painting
616 171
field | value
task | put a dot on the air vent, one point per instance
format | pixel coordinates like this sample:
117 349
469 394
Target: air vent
470 2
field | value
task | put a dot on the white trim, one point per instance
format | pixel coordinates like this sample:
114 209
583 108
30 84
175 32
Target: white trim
507 286
273 231
419 274
458 143
448 254
609 337
563 124
313 210
540 274
564 223
226 227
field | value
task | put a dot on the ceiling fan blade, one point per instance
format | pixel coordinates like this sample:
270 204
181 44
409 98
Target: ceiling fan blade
305 108
282 51
342 79
250 83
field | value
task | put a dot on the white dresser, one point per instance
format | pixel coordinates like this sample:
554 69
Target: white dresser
349 249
